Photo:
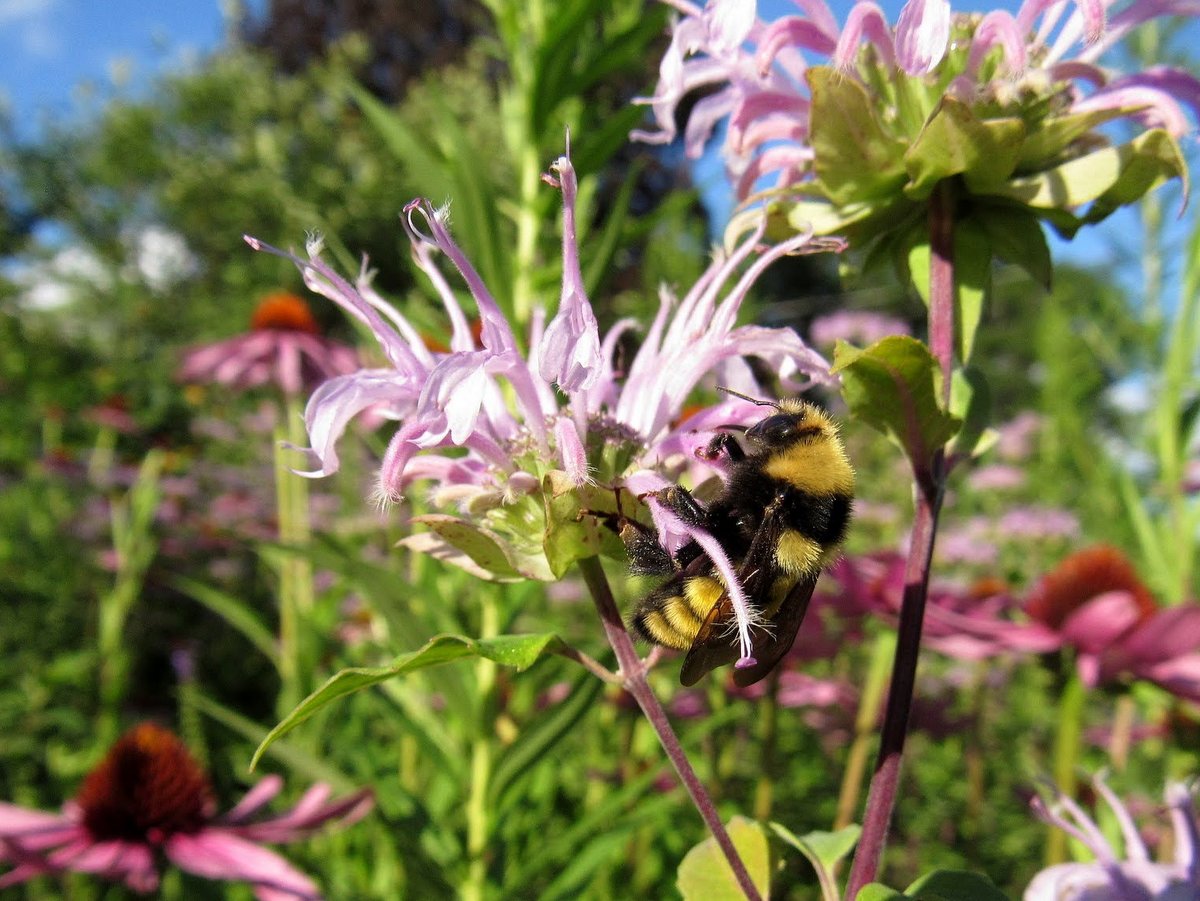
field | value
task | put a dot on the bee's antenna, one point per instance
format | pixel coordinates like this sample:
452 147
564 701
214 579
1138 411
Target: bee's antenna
761 403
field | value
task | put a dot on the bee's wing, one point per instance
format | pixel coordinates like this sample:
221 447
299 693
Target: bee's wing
713 646
770 648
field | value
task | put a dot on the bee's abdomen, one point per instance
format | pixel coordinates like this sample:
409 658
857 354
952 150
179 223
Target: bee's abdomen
673 614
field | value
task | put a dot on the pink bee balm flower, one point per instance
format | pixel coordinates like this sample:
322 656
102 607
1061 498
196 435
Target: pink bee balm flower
1115 876
501 425
149 798
1020 73
284 347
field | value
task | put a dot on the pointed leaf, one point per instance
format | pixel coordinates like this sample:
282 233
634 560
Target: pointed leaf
486 550
955 885
705 875
1016 237
971 401
823 850
1112 176
955 142
855 158
235 612
518 651
895 386
1053 136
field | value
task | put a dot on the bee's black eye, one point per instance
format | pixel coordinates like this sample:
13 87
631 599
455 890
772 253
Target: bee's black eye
775 430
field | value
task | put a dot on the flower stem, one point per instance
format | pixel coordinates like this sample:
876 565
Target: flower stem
864 729
1066 757
930 476
295 571
634 676
481 760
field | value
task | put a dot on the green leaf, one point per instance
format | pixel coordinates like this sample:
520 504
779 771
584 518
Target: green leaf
823 850
877 891
518 651
970 401
705 875
895 386
972 281
855 158
1111 176
234 612
955 142
954 885
536 741
1016 236
1053 136
485 549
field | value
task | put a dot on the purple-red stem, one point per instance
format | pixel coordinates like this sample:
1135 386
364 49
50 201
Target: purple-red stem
930 477
633 675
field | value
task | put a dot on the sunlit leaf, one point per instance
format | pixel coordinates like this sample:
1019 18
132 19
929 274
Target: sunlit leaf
705 875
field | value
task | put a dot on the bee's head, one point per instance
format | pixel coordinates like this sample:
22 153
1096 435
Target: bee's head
794 420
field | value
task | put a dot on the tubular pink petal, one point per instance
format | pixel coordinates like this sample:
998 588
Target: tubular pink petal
569 352
1186 825
461 339
571 451
998 29
219 854
728 23
1146 104
922 35
339 400
703 119
496 335
792 31
1135 848
867 20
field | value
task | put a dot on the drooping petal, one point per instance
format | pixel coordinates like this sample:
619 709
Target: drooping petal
216 853
729 23
866 20
339 400
311 813
254 800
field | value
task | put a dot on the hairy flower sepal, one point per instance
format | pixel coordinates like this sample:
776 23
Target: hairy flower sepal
540 535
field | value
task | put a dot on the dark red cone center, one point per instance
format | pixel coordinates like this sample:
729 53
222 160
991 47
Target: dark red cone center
147 788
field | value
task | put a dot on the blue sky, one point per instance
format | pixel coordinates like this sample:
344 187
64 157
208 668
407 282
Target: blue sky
51 50
61 57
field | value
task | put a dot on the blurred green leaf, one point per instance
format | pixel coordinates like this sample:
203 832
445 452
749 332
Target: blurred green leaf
955 885
233 611
705 874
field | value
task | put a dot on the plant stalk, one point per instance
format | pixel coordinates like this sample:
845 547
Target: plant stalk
634 678
930 478
478 825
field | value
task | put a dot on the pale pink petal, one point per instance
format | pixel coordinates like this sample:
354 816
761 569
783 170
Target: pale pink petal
729 23
998 29
865 19
219 854
922 35
569 352
572 452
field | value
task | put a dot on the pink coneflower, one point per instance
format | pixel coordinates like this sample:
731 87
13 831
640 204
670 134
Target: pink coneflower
149 799
284 347
1125 873
1098 606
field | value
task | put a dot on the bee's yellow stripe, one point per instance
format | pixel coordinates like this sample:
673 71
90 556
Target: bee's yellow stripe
702 594
797 554
659 627
817 467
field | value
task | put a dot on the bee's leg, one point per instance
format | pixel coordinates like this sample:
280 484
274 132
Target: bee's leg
725 443
646 555
679 501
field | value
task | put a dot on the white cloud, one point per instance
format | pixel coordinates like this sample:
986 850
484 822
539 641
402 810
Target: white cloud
25 10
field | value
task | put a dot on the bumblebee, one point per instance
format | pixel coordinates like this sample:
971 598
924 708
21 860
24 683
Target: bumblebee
780 518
